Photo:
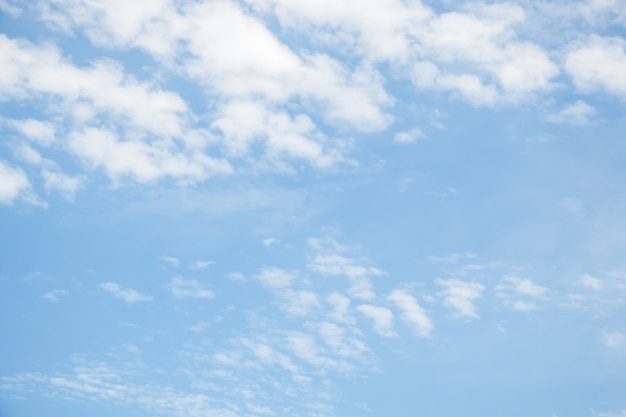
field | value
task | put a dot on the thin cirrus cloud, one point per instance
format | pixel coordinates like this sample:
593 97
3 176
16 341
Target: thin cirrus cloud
459 295
412 313
234 130
189 288
129 295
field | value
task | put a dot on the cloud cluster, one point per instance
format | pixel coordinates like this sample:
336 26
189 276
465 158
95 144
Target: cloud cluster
267 101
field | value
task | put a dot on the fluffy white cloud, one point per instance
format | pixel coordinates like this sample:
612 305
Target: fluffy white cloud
599 64
577 113
299 303
184 288
613 339
520 293
590 282
273 277
340 307
127 294
54 295
382 317
340 341
459 295
412 313
30 70
13 183
473 52
38 131
410 136
337 265
100 148
66 185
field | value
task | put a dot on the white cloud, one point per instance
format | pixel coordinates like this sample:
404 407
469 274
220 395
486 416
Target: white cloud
31 70
527 287
408 137
590 282
54 295
269 242
248 70
184 288
127 294
172 260
613 339
340 307
66 185
13 183
578 113
201 264
38 131
268 355
382 317
412 313
520 293
199 327
11 9
617 413
459 295
337 265
275 278
337 339
299 303
305 347
143 162
599 64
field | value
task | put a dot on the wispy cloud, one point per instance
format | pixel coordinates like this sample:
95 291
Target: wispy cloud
273 277
13 183
172 260
590 282
54 295
458 295
337 265
185 288
127 294
614 339
382 317
412 313
578 113
521 293
201 264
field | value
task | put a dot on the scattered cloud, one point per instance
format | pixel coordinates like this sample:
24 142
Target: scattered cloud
201 264
412 313
127 294
13 183
273 277
340 307
54 295
613 339
269 242
337 265
299 303
40 132
520 293
185 288
590 282
598 64
382 317
171 260
408 137
578 113
199 327
458 295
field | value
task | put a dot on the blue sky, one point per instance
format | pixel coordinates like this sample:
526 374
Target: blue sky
322 208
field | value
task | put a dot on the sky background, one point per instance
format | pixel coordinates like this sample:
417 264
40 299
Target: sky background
316 208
